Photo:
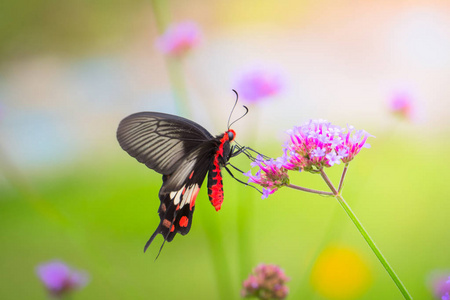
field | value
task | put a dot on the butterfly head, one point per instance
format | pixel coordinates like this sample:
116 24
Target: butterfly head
231 134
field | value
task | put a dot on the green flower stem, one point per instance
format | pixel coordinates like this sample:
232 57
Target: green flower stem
174 65
246 216
341 182
162 13
218 256
367 237
296 187
328 182
244 222
177 80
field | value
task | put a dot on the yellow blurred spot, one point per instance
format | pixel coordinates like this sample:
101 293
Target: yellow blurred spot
340 273
257 11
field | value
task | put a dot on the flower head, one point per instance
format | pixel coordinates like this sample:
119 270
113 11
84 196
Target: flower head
266 282
401 105
272 174
179 38
258 84
59 278
318 144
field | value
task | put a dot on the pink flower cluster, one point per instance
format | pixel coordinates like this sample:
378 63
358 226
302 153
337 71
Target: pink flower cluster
266 282
179 38
271 175
59 278
318 144
311 147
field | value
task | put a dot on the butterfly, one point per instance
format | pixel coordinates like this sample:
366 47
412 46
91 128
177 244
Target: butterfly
184 153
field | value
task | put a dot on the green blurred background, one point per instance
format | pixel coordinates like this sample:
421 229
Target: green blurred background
70 71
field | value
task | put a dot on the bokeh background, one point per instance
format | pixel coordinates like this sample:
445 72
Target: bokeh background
71 70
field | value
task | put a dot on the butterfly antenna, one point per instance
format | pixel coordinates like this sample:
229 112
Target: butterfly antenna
246 112
232 110
234 106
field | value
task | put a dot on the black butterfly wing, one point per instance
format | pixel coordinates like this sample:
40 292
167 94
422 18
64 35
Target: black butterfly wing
181 150
179 191
159 140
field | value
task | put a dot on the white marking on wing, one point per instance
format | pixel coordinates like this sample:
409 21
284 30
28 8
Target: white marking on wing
190 191
186 196
177 197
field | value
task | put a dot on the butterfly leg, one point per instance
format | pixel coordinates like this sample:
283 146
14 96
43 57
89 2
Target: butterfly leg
246 150
237 169
238 180
240 150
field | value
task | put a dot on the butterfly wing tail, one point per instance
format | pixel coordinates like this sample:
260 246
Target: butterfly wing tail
158 230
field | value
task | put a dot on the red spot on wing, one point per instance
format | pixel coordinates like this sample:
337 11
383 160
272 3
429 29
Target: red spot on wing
172 229
192 174
184 221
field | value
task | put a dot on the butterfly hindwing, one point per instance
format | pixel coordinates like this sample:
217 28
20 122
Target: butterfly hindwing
179 192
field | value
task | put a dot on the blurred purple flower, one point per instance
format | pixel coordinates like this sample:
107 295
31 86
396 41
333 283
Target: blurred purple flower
179 38
59 278
266 282
258 84
440 285
401 105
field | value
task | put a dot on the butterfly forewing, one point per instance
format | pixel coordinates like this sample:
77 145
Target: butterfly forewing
160 140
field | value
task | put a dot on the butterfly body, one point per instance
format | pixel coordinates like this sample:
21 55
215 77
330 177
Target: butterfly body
184 153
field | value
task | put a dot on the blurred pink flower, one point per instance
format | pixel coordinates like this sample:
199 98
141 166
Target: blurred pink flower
401 105
59 279
258 84
179 38
266 282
